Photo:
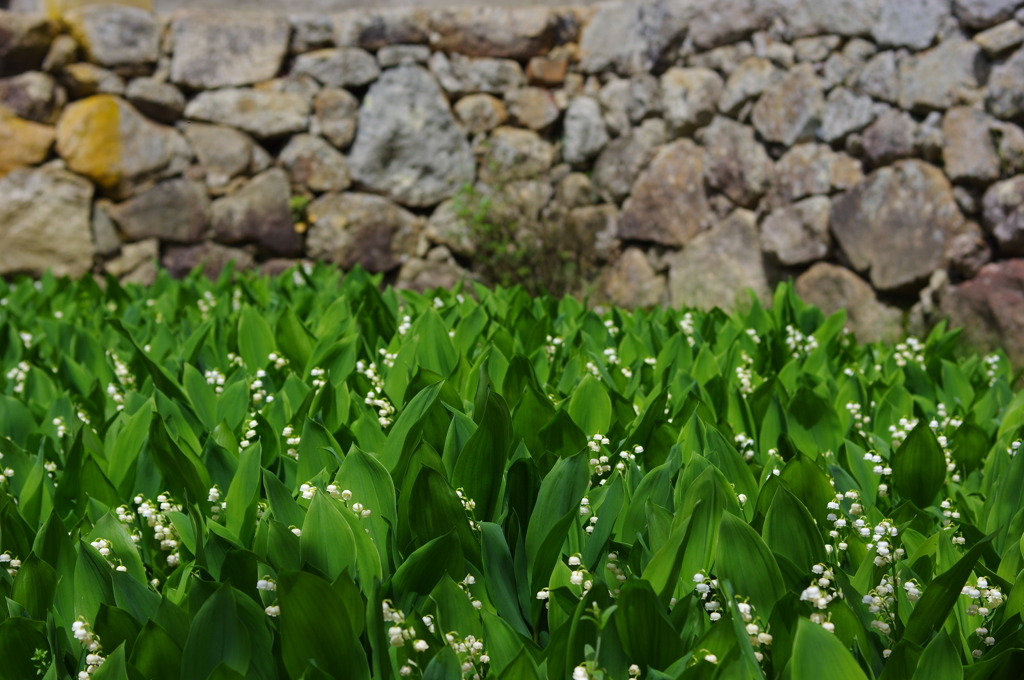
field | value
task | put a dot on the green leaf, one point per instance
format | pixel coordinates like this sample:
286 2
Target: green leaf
591 407
919 466
481 463
819 654
255 340
35 587
790 531
940 660
327 541
216 635
745 561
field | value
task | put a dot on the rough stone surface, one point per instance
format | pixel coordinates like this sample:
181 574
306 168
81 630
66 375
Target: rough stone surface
111 35
162 102
753 76
212 257
310 32
481 112
63 51
668 204
437 270
632 282
910 23
133 257
547 71
104 232
585 134
408 145
831 288
449 227
374 28
798 234
736 164
352 228
34 96
969 252
335 116
630 37
941 77
108 141
223 152
689 97
402 55
44 223
176 211
999 39
212 50
513 153
889 138
845 112
84 80
880 78
1003 211
812 170
313 163
790 111
895 225
461 75
628 101
513 33
340 67
1004 97
258 213
576 190
531 107
23 142
990 309
970 154
984 13
24 41
261 113
717 266
1011 147
618 166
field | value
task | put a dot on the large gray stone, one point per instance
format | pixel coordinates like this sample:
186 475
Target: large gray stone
1003 211
889 138
584 131
335 116
631 281
842 17
631 37
737 164
717 267
176 211
352 228
313 163
968 151
896 224
510 32
223 152
832 288
1004 97
813 170
261 113
845 112
44 223
463 75
790 111
212 50
910 23
310 32
689 97
338 67
258 213
984 13
753 76
408 145
727 21
512 153
669 204
941 77
1000 39
798 234
162 102
880 78
108 141
112 35
618 166
374 28
628 101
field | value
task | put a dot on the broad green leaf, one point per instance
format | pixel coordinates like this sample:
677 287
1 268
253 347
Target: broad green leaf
819 654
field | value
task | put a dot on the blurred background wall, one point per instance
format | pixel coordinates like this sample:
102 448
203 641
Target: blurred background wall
289 6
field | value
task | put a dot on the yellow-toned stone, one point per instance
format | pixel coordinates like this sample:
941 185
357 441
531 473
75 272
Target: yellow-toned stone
58 7
23 142
107 140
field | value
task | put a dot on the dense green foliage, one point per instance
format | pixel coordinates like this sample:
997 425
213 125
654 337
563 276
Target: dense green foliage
305 477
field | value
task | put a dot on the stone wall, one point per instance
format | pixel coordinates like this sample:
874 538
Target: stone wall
869 149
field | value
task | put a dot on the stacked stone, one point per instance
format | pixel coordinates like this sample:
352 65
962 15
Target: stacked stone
872 150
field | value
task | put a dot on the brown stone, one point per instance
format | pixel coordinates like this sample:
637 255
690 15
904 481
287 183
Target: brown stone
313 163
990 309
669 204
480 112
532 107
33 96
133 256
83 79
23 142
547 71
798 234
262 113
177 211
618 166
689 97
897 223
831 288
437 270
258 213
790 111
24 41
631 281
969 151
753 76
373 28
352 228
718 266
335 116
889 138
212 257
513 153
513 33
969 252
811 170
1003 211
